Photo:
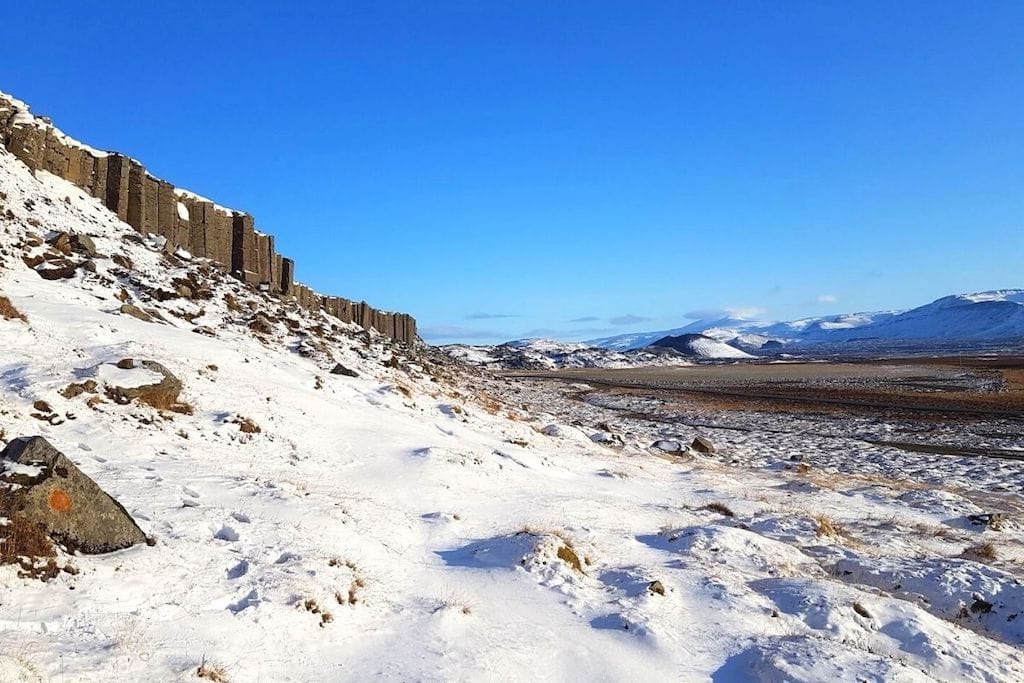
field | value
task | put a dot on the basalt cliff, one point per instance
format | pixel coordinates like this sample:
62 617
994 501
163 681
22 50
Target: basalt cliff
186 220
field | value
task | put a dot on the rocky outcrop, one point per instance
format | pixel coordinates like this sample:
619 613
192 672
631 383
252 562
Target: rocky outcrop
40 485
186 220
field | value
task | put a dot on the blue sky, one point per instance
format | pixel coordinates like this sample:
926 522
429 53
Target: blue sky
571 169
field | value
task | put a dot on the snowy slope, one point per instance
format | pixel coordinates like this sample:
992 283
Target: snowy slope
983 316
547 354
407 524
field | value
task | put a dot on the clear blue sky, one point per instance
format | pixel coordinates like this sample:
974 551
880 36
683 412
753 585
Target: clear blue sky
573 169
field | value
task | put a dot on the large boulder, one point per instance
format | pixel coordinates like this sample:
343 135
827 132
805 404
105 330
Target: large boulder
39 484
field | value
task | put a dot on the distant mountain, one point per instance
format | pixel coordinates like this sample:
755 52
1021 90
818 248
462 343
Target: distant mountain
980 317
546 354
700 346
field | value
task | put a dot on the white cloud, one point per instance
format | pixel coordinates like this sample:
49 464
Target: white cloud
827 299
744 312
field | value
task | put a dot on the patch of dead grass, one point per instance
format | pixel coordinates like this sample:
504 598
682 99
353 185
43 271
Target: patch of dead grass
9 312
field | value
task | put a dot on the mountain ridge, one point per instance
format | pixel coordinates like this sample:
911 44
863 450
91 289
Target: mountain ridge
990 315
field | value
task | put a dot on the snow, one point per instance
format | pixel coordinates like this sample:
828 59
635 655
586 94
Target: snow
548 354
424 508
114 376
182 211
701 346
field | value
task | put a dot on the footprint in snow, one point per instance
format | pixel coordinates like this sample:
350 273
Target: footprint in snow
251 599
241 517
239 570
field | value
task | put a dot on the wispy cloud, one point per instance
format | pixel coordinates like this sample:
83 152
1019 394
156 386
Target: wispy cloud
628 319
491 316
585 319
827 299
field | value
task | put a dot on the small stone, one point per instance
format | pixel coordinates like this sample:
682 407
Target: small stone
136 312
702 445
340 369
656 587
126 363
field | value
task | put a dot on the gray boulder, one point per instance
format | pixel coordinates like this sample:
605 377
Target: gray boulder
40 484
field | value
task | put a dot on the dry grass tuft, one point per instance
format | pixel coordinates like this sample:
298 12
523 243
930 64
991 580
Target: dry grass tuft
209 671
28 546
568 555
720 508
982 552
828 527
9 312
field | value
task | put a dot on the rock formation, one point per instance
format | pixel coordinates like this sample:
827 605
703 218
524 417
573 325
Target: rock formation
188 221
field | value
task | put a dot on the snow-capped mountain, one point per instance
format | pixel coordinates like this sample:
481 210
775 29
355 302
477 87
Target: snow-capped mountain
979 317
547 354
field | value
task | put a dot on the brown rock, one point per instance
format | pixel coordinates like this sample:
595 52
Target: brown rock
57 269
702 445
162 395
136 312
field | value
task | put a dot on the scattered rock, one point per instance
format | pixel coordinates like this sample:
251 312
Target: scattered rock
656 587
990 520
340 369
77 388
136 312
61 242
667 446
122 261
261 325
83 244
702 445
46 489
57 269
162 395
126 363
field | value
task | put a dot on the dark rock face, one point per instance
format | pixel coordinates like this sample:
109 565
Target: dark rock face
41 485
151 205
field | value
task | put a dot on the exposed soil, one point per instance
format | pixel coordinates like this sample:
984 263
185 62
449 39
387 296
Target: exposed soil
944 386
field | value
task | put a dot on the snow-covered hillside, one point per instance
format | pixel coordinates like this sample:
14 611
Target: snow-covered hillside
980 317
547 354
425 521
700 346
